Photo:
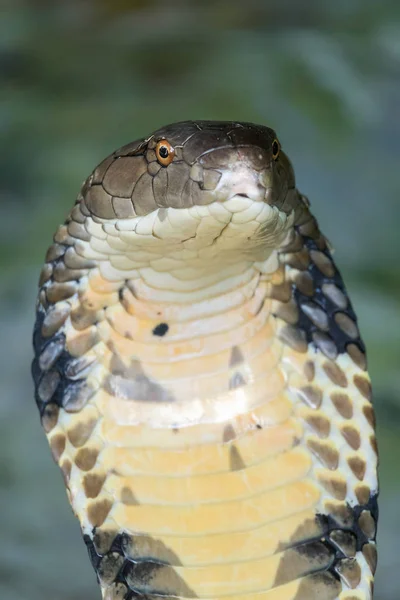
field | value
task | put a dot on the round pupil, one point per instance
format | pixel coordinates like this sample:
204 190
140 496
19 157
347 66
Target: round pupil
275 148
163 151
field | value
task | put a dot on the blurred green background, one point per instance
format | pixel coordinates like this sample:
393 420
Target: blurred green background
80 78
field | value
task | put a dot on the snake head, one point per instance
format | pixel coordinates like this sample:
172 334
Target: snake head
219 168
211 161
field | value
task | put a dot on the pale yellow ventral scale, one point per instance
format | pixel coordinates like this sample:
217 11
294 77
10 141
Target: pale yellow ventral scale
201 377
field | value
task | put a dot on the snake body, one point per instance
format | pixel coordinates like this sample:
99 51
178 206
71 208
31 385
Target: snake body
201 378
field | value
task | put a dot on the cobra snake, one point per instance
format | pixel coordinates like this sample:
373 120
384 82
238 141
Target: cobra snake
201 378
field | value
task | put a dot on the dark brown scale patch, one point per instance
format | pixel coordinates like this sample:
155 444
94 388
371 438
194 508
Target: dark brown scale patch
374 444
85 458
294 337
311 395
147 577
63 274
334 485
55 317
92 484
309 229
62 236
79 368
343 404
51 353
236 357
282 292
229 434
57 445
236 462
358 466
79 434
351 435
55 251
357 356
48 385
371 556
350 571
319 423
109 567
369 414
137 547
298 260
73 260
367 523
347 325
341 513
363 493
309 370
56 292
128 497
345 541
119 591
325 453
50 417
76 396
335 373
316 587
304 283
294 243
104 541
325 343
98 511
296 562
363 385
310 529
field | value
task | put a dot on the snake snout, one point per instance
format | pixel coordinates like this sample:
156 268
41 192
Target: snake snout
241 182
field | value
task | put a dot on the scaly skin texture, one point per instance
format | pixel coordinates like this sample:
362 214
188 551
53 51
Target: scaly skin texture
201 378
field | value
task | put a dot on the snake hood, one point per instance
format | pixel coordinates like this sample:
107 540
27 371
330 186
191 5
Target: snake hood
201 377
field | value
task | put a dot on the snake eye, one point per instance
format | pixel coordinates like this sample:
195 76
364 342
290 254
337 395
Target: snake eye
275 149
165 153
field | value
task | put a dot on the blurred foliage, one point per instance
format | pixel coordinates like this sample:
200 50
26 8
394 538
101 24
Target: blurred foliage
82 77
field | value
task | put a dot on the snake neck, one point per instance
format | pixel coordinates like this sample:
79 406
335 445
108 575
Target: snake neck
170 319
191 351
